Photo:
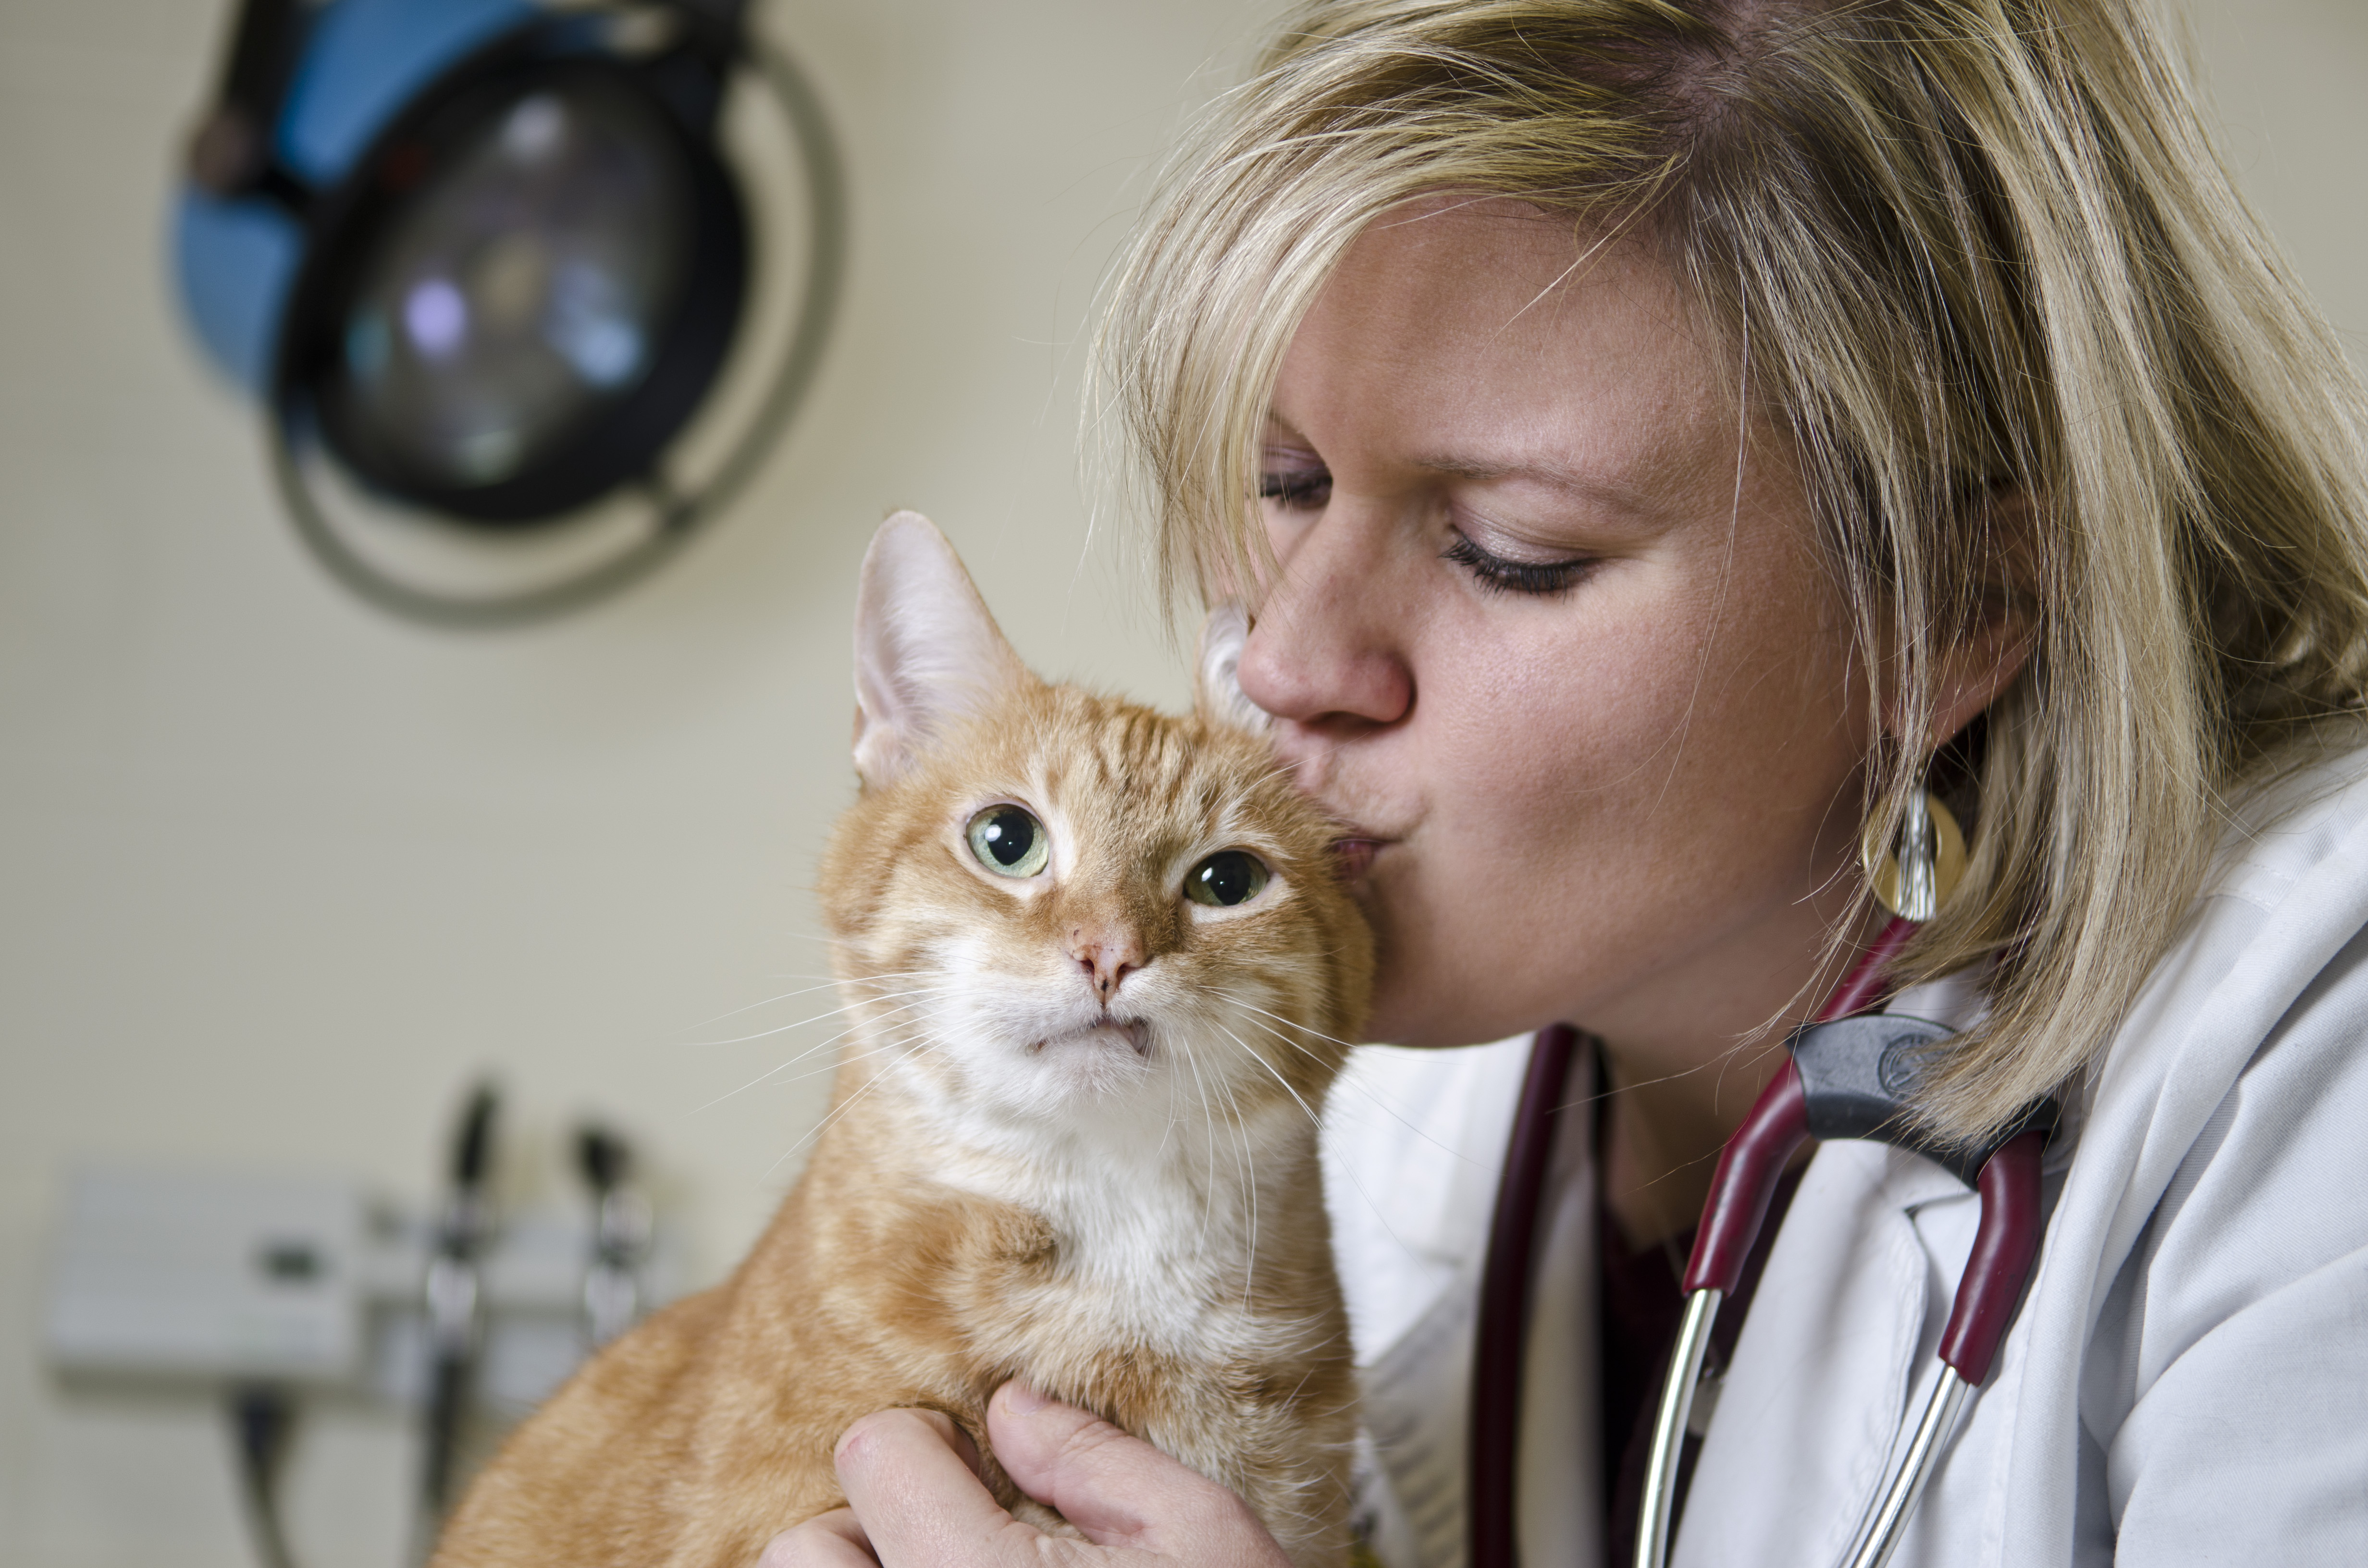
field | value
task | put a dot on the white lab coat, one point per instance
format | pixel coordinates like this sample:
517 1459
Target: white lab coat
2187 1382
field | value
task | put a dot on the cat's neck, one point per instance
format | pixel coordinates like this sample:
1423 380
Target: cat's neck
1118 1178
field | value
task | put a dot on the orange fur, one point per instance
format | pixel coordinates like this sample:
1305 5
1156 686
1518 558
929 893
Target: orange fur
1009 1184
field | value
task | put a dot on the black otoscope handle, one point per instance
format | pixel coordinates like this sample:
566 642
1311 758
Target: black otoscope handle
455 1300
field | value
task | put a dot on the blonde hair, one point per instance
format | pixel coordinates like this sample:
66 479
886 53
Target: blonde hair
1982 260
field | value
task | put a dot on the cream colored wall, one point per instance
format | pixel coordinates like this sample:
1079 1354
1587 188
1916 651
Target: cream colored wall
276 875
2290 80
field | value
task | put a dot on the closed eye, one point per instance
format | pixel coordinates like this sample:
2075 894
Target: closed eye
1297 489
1498 574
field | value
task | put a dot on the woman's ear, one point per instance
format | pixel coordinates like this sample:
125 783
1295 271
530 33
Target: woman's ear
1217 694
1993 628
927 651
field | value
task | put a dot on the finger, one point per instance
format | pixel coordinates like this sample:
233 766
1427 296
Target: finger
1118 1490
952 1435
919 1502
828 1540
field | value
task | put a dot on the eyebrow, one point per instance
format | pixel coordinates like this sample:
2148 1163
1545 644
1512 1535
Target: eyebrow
1553 475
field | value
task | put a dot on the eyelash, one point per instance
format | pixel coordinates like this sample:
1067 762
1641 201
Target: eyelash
1308 489
1497 575
1303 491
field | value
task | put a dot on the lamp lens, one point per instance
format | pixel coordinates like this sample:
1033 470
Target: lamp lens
526 285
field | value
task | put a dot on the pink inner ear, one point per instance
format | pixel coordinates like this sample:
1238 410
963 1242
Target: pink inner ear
1217 687
926 650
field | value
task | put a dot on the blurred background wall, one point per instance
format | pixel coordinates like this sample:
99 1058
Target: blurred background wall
279 876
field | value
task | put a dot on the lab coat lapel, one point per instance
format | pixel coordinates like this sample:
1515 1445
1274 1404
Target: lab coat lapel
1559 1501
1415 1144
1418 1398
1431 1127
2282 910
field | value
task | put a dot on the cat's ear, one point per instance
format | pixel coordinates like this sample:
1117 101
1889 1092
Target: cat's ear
1217 685
927 651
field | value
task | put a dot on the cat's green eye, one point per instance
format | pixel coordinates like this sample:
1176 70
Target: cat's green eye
1227 878
1009 841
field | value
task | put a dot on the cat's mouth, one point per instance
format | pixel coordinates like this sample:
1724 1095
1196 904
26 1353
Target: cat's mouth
1132 1033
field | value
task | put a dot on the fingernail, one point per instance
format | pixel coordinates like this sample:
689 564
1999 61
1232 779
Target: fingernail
1021 1400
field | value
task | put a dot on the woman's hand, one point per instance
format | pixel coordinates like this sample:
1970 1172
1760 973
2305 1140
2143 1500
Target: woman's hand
916 1502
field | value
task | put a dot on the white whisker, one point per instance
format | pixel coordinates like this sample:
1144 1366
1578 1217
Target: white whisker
1209 1188
845 1105
818 1018
1246 1162
1349 1171
1272 1071
801 1056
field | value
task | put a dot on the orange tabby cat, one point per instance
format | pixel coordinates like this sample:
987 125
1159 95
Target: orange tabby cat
1099 960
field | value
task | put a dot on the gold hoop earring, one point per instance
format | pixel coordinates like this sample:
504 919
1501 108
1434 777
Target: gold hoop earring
1914 881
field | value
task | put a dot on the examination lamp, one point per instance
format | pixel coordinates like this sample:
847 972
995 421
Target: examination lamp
488 265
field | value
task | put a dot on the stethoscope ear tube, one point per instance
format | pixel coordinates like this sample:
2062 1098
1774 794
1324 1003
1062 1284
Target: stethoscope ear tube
1999 1266
1745 1183
1995 1272
2005 1247
1740 1192
1988 1293
1881 1536
1669 1422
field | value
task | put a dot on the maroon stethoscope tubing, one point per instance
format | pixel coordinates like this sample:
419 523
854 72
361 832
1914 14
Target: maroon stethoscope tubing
1502 1324
1776 1125
1502 1328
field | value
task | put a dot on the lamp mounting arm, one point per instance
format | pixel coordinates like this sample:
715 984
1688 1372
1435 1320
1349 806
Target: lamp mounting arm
229 152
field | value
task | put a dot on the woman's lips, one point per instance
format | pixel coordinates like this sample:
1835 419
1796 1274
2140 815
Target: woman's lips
1354 855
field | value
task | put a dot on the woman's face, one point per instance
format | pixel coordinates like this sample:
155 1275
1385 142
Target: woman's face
1551 634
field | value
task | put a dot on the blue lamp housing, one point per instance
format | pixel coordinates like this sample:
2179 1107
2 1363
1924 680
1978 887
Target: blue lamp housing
235 258
484 253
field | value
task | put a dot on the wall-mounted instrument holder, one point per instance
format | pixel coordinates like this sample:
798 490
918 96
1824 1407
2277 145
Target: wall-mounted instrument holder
270 1292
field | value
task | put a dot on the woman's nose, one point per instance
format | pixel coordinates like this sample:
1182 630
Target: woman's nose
1328 643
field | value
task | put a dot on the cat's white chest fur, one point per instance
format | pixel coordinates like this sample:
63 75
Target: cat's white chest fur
1160 1216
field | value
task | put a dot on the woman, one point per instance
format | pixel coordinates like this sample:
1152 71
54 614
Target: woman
1688 434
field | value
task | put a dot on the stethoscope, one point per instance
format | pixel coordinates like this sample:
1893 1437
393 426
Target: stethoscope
1847 1075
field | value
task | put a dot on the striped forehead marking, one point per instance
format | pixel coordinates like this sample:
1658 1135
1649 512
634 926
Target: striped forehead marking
1126 753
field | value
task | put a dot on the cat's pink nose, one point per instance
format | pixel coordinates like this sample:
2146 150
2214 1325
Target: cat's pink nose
1108 956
